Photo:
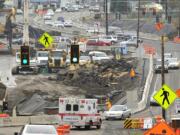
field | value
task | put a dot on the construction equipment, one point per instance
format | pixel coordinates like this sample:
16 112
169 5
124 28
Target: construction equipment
7 28
56 60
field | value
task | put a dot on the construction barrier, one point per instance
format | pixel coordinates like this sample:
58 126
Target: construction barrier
63 129
177 39
128 123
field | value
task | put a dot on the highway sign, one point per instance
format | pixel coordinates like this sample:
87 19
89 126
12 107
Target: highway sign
165 96
46 40
160 129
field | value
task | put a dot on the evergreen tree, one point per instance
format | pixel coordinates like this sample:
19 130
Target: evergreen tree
2 3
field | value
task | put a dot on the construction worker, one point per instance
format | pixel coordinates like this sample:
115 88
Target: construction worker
108 104
132 73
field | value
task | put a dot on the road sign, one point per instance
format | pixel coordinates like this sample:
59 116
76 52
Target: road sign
165 96
46 40
160 129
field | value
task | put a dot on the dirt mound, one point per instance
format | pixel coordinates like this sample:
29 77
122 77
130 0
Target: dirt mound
102 78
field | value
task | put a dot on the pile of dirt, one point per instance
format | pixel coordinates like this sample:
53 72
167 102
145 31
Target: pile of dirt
102 78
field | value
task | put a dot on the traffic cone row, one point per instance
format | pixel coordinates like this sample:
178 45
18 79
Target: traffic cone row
63 129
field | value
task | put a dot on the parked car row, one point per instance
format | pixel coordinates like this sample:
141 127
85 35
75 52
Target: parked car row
67 23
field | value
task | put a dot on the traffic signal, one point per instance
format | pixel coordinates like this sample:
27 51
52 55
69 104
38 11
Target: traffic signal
154 12
25 55
75 54
5 106
157 19
169 19
144 12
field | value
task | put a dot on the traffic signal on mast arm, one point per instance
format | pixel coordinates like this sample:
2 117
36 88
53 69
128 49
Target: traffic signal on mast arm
25 54
75 54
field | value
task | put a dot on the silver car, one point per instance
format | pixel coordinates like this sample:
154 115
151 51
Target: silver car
118 112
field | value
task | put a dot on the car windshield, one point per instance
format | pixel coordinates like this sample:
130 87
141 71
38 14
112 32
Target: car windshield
42 54
100 55
57 54
117 108
41 130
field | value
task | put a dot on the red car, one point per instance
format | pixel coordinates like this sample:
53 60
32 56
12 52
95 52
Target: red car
96 42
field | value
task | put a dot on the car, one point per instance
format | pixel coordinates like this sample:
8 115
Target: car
92 31
75 7
58 24
132 41
97 56
17 40
38 130
84 60
167 56
49 22
47 17
158 66
50 12
109 38
58 10
70 9
173 63
152 101
68 23
118 112
60 18
97 42
19 12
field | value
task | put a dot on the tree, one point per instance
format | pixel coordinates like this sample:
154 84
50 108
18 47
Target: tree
121 6
2 3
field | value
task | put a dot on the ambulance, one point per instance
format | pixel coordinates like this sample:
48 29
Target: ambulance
79 112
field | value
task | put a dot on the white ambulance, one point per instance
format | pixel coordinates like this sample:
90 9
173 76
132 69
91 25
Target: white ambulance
79 112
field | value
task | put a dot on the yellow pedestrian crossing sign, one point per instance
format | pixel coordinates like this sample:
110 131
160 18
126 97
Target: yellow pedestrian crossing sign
46 40
165 96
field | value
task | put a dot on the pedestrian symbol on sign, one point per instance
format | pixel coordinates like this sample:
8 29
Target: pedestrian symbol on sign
166 95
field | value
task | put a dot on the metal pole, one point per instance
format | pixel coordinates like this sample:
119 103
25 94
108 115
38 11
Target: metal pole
162 71
138 23
166 9
106 12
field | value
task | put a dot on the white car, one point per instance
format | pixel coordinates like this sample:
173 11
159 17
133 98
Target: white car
58 10
110 38
118 112
132 41
92 30
68 23
38 130
99 56
51 23
173 63
84 60
47 17
58 24
50 12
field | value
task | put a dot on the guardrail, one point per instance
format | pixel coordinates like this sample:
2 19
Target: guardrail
142 104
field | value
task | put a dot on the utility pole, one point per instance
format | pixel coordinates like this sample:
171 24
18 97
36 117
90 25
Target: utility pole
138 23
106 14
162 71
26 23
166 9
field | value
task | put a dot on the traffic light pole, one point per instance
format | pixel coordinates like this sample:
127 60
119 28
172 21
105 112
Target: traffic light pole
138 23
106 13
162 71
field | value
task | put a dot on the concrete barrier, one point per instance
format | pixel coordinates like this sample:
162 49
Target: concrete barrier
142 104
22 120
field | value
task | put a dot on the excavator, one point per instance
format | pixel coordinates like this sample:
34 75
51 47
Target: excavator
7 28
